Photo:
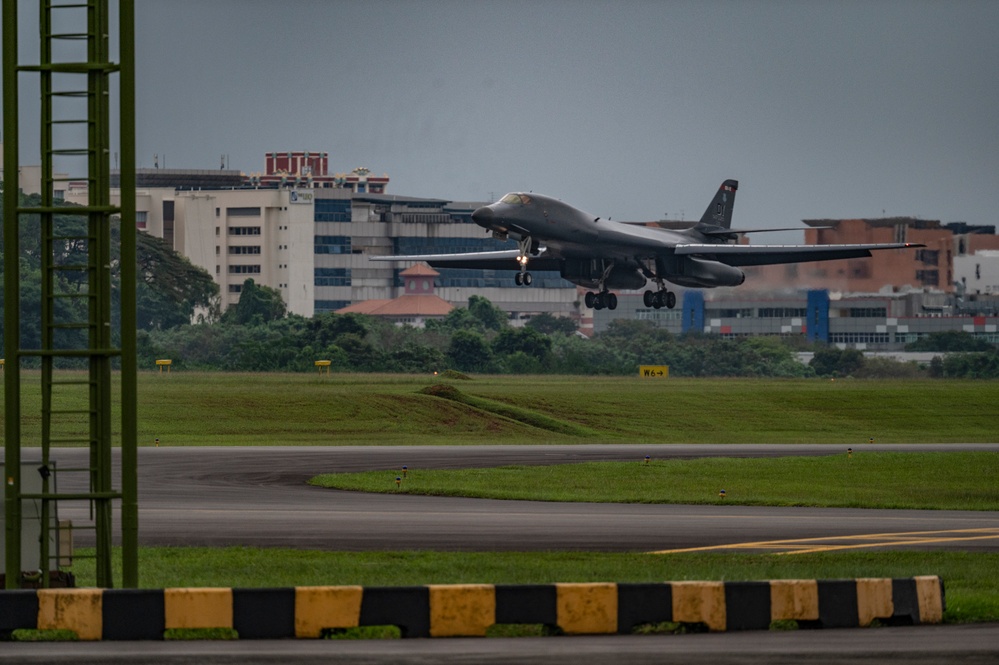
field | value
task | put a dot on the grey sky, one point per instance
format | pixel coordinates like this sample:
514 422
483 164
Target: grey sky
626 109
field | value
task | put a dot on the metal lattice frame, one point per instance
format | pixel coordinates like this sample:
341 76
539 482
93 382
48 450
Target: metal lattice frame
63 421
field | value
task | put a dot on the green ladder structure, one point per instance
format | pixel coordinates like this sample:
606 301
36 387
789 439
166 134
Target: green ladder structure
74 336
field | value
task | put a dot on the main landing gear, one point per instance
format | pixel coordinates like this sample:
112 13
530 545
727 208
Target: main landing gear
600 300
659 299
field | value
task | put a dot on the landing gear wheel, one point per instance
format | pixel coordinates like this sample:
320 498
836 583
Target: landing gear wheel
518 279
657 300
589 299
670 300
648 298
611 299
528 279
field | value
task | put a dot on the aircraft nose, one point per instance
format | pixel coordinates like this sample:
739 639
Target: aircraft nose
483 216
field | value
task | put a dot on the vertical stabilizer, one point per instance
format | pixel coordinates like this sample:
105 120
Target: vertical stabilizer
719 212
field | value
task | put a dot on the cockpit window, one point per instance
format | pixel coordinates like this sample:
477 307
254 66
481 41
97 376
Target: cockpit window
516 199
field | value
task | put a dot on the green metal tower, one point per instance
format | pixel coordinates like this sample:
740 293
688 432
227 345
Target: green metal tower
75 328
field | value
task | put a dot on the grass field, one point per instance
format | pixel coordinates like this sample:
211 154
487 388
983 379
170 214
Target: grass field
185 408
189 408
943 481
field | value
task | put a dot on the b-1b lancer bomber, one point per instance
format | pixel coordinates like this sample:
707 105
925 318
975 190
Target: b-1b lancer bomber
601 254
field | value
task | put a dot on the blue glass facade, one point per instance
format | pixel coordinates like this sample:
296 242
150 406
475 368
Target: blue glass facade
332 210
332 276
693 312
332 244
817 323
447 245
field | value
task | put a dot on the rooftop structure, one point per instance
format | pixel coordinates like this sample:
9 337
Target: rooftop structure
415 306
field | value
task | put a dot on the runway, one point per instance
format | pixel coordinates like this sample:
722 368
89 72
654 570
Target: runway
257 496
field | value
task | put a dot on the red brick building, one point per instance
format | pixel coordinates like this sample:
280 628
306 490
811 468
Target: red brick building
929 267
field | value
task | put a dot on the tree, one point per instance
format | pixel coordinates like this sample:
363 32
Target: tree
491 316
170 288
552 325
832 361
257 305
950 340
525 340
469 352
458 318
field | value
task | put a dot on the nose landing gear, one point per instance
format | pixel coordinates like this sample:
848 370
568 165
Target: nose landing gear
523 278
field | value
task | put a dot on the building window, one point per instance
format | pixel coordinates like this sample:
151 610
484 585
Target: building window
332 276
244 270
245 249
928 277
859 338
235 288
332 245
929 257
244 230
332 210
242 212
782 312
867 312
745 313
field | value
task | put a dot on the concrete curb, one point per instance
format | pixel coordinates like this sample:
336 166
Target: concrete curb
469 610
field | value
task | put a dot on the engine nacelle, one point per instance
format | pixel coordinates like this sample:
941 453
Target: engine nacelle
587 273
690 271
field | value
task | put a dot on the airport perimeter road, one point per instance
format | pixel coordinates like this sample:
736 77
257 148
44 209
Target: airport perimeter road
969 645
257 496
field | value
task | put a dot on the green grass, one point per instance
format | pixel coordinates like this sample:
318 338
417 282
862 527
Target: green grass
971 580
197 408
187 408
944 481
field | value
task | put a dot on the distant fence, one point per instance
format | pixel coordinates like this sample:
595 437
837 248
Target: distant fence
469 610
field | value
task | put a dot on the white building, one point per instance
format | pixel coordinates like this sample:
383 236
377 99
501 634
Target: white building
313 244
978 273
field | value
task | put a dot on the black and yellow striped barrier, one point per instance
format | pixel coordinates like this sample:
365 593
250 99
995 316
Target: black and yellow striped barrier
469 610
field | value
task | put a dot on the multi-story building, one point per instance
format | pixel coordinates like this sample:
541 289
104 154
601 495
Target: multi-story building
930 267
313 243
878 322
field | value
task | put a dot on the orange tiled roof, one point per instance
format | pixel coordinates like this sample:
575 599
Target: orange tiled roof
410 305
419 270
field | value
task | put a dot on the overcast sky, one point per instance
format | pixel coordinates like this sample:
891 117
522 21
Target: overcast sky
624 108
